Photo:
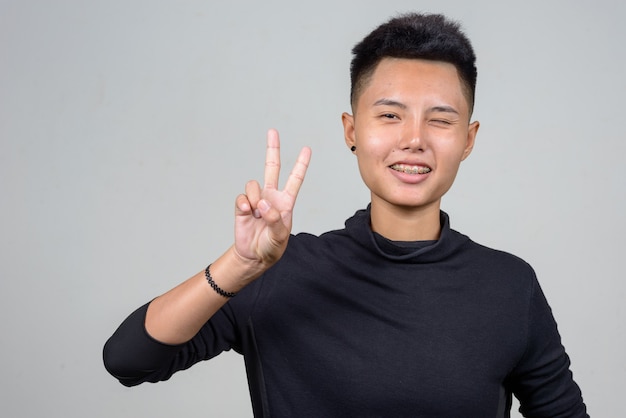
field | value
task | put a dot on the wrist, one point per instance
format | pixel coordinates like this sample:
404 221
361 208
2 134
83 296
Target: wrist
248 269
231 272
215 286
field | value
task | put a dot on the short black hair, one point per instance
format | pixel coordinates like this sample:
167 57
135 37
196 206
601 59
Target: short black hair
417 36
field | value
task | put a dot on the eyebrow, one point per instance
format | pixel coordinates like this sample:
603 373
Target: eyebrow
445 109
391 102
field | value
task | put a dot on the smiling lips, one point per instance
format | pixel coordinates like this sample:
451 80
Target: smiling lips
411 169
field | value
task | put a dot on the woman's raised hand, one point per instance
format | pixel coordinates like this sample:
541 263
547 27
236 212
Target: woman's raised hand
263 216
262 228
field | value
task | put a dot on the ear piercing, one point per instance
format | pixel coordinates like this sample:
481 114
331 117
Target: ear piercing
353 148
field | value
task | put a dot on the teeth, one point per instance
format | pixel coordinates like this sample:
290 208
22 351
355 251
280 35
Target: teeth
411 169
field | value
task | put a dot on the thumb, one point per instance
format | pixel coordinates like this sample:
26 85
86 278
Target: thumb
278 231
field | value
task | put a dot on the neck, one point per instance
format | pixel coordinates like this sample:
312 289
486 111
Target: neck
406 224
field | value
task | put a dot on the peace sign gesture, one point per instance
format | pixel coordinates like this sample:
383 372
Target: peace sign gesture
263 216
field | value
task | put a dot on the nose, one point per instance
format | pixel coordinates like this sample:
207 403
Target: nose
412 136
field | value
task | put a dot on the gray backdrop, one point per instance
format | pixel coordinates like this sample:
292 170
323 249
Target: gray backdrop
128 127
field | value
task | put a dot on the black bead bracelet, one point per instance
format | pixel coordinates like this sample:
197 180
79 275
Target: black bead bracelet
215 287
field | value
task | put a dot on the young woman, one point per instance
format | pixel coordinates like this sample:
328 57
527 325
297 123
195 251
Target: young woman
394 315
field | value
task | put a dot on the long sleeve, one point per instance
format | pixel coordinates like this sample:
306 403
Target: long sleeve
132 356
542 380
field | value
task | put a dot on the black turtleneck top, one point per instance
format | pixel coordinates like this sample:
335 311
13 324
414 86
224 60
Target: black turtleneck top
352 324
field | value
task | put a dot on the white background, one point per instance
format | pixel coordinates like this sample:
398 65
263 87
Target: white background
128 127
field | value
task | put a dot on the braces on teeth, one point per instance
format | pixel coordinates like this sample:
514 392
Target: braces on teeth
412 170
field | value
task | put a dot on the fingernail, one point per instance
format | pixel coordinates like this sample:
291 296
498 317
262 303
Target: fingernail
263 205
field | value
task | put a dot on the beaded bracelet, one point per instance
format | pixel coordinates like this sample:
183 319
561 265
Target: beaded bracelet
215 287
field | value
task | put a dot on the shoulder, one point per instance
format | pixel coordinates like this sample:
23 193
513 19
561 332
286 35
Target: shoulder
496 257
327 241
499 269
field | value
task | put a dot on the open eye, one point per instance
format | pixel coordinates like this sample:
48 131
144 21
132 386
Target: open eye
389 116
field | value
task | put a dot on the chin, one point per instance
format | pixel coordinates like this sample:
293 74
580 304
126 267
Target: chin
414 204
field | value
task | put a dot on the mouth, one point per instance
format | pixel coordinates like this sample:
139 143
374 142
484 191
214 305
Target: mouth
411 169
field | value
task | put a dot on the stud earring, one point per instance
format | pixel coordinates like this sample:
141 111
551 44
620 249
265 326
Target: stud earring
353 148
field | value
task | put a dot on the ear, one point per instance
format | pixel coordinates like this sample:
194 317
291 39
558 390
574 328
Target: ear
471 138
348 129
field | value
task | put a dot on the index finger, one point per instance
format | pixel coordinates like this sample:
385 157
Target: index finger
296 177
272 160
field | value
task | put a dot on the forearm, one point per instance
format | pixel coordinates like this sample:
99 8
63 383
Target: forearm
176 316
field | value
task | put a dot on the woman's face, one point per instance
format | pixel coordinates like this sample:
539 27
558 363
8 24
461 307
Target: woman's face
411 131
